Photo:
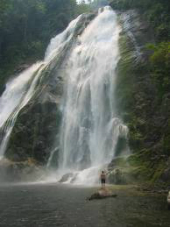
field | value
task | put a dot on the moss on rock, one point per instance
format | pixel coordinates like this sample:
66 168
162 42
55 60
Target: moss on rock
139 106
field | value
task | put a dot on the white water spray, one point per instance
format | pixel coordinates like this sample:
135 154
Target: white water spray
91 128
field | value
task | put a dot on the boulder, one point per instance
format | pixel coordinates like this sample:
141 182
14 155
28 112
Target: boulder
102 194
66 177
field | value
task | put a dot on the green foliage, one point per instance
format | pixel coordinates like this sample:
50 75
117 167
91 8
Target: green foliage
160 61
157 12
26 27
143 92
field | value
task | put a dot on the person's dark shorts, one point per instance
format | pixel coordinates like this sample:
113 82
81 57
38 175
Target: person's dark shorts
103 181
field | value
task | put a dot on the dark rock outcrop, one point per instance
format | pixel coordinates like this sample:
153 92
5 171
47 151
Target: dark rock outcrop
66 177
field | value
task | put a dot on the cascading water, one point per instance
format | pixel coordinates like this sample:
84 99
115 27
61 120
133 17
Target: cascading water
90 127
21 89
17 94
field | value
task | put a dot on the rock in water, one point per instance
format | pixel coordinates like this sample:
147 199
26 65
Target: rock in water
66 177
102 194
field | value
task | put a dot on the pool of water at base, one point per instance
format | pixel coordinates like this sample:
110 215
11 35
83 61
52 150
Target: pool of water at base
49 205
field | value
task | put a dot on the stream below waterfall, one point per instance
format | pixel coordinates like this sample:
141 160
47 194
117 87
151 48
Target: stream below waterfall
42 205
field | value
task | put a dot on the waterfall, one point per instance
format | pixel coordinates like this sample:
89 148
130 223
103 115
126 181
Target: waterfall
86 60
16 95
90 126
22 88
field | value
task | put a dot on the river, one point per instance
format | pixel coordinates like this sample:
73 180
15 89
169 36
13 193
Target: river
43 205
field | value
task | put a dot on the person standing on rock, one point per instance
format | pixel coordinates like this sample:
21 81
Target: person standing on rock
103 179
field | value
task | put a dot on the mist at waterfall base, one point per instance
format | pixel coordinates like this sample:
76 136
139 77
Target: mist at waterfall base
90 127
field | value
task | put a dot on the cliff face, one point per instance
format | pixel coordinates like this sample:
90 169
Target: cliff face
36 129
139 104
